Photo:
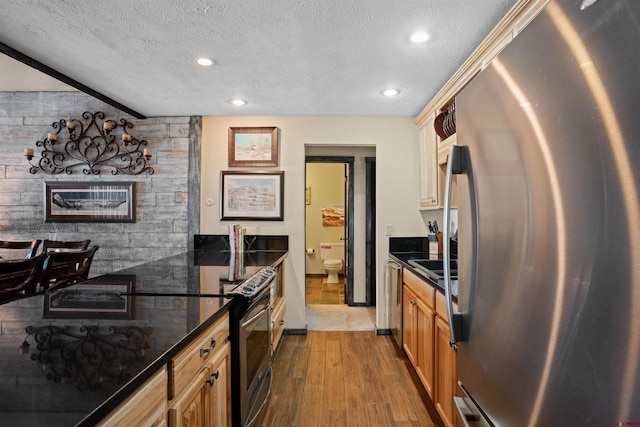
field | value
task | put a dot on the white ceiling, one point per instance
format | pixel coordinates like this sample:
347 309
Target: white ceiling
285 57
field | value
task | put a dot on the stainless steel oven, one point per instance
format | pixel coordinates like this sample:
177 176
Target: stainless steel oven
251 351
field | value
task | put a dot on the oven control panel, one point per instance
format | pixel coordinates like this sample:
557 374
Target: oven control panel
255 283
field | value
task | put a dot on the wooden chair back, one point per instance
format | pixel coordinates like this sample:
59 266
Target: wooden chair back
21 276
61 245
67 268
30 246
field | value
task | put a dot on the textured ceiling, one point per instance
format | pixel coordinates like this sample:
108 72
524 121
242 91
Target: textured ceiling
285 57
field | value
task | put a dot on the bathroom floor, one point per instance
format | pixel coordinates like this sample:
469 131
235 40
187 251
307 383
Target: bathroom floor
320 292
326 310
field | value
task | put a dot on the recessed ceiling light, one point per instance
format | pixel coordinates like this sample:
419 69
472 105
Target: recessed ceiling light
238 102
204 61
419 37
390 92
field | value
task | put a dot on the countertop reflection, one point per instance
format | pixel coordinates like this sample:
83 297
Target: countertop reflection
69 356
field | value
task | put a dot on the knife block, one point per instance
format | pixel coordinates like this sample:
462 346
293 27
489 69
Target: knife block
435 245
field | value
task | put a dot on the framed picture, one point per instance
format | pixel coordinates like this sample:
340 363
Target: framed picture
98 298
253 146
98 201
333 216
252 195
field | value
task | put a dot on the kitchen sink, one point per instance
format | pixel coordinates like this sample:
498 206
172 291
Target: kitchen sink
434 268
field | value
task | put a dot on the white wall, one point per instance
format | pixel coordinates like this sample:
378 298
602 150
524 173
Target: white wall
396 142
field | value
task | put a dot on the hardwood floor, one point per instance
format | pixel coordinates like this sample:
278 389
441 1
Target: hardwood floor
320 292
351 378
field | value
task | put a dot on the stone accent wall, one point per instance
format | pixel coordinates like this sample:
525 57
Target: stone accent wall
165 216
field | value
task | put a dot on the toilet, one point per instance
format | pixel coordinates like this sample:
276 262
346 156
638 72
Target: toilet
332 255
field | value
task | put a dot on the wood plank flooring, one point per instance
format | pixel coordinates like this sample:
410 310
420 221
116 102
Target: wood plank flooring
345 378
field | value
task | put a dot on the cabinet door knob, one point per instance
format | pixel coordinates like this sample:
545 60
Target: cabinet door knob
212 379
206 350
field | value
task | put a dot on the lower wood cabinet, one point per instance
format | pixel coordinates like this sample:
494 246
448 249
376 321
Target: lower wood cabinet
205 401
418 328
277 324
446 376
193 389
426 343
199 380
147 406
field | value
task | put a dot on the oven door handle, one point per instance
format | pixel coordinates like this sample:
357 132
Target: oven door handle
255 318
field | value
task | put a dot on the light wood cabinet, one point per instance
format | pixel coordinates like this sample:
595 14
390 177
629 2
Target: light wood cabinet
418 330
433 165
446 360
147 406
426 342
199 380
191 408
205 401
434 156
278 307
277 325
428 152
444 147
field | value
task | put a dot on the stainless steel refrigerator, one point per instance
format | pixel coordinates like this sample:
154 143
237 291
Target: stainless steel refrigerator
548 175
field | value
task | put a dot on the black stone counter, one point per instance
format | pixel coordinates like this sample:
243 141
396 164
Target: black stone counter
405 249
112 342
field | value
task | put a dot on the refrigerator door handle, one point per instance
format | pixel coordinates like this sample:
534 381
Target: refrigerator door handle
455 165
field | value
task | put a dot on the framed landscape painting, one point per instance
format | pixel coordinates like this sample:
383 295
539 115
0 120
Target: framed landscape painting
247 195
253 146
98 201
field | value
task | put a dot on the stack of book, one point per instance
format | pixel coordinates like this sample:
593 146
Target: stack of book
236 249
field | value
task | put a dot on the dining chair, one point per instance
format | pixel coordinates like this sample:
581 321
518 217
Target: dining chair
66 268
30 246
21 276
61 245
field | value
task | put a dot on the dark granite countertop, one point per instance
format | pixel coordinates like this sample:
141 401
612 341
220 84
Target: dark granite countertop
38 389
405 249
404 257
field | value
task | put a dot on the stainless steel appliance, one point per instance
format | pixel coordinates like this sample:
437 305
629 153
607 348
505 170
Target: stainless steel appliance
393 276
549 224
250 330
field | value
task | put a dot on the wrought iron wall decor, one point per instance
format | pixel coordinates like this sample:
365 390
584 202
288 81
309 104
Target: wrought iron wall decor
87 356
91 146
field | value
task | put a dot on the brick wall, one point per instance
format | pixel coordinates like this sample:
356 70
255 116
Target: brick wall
166 202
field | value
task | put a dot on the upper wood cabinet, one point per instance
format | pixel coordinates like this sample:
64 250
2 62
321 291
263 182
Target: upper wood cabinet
434 156
434 151
444 147
428 141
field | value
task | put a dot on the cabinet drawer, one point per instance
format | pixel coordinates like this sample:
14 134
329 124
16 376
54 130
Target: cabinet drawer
441 306
186 364
420 287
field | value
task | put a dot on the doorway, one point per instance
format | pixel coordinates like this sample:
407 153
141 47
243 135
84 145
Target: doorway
356 166
329 227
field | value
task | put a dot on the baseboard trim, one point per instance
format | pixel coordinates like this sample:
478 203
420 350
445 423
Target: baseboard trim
302 331
360 304
382 331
